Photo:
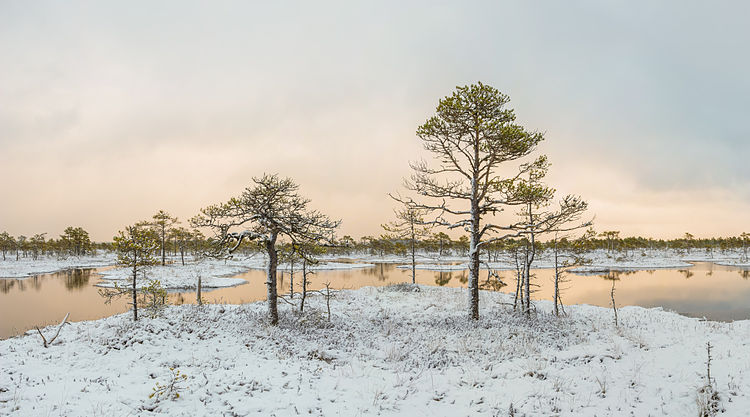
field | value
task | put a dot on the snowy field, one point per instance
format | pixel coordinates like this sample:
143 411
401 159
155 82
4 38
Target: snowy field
386 351
599 261
26 267
214 273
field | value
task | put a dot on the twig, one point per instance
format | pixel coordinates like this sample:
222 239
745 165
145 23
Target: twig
44 340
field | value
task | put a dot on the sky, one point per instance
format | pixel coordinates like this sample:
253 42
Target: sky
111 111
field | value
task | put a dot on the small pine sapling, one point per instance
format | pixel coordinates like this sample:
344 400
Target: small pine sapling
170 390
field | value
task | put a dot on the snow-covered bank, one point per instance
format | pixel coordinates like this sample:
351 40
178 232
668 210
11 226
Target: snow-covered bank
598 261
423 258
213 273
324 266
437 267
386 351
27 267
734 263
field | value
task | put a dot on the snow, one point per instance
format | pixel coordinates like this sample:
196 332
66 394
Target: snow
398 350
215 273
600 261
734 263
28 267
325 266
437 267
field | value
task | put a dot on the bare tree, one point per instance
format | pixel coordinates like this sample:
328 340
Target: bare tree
538 218
268 211
409 224
472 136
309 254
567 259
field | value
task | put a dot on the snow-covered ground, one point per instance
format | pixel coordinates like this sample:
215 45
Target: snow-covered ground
422 258
599 260
386 351
214 273
325 266
26 267
437 267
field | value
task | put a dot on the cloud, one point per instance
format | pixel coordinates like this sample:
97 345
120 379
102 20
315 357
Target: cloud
111 102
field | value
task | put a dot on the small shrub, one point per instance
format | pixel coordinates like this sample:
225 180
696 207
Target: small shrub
170 390
155 298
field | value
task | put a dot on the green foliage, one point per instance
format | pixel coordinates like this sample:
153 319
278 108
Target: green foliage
136 247
154 298
75 241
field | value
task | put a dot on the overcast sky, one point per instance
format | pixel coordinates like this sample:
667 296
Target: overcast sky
111 112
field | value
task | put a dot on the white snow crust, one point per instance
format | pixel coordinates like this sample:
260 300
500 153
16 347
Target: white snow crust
398 350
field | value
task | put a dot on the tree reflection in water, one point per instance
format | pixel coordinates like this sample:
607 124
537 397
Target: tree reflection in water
688 273
443 277
493 282
77 278
616 275
381 271
6 285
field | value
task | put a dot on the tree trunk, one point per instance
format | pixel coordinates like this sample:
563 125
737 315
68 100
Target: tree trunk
557 281
413 257
527 282
273 313
135 293
182 255
474 254
612 296
517 296
163 231
198 292
291 278
530 253
304 285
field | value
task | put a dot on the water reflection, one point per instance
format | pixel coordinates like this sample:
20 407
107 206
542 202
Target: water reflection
713 291
381 271
687 273
77 278
617 275
443 277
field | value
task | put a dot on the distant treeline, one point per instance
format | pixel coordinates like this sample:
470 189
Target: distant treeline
75 241
440 244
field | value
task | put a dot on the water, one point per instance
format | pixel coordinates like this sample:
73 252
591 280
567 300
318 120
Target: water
704 290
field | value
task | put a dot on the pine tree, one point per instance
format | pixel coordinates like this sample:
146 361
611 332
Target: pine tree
472 136
135 249
409 225
270 210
